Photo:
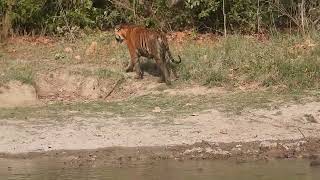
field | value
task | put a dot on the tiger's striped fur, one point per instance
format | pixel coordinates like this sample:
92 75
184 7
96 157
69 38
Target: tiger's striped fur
143 42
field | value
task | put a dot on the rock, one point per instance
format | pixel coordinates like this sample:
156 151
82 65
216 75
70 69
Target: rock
193 150
16 94
77 57
156 110
286 146
266 145
236 150
68 50
208 150
223 131
219 151
195 114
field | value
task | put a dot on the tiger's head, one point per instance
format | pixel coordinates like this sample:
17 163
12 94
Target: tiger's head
120 33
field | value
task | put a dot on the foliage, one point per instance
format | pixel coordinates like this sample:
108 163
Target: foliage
48 16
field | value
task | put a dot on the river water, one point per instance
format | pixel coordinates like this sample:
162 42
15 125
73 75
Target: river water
164 169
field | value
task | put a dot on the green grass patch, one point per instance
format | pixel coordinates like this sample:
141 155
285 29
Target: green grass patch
171 106
19 72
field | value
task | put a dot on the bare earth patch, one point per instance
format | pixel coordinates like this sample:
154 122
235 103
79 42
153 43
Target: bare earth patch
194 90
65 86
16 94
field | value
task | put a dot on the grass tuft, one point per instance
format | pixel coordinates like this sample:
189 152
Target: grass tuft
238 60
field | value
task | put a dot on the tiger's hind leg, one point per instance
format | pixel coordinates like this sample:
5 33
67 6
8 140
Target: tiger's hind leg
165 77
137 67
173 69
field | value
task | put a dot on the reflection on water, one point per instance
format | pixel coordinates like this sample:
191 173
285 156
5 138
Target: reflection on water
166 170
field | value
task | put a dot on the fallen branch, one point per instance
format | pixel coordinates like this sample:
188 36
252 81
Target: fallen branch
113 88
304 137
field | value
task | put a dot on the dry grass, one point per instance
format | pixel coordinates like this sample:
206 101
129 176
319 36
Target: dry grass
289 62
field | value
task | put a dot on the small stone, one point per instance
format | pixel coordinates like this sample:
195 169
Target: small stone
156 110
77 57
285 147
68 50
208 150
195 114
266 145
223 131
236 150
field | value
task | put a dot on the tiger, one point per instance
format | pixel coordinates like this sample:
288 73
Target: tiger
148 43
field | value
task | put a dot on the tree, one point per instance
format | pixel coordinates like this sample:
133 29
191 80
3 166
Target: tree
302 12
6 20
224 18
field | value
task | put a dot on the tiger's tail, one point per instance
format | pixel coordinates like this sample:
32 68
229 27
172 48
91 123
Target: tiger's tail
164 46
168 53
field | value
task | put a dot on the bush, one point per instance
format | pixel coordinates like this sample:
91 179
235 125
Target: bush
203 15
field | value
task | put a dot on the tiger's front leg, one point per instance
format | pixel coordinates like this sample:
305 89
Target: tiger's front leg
133 58
131 64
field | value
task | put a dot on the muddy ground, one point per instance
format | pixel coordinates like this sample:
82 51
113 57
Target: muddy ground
125 156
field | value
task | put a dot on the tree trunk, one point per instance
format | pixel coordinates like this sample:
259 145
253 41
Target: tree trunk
6 21
258 16
302 13
224 18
